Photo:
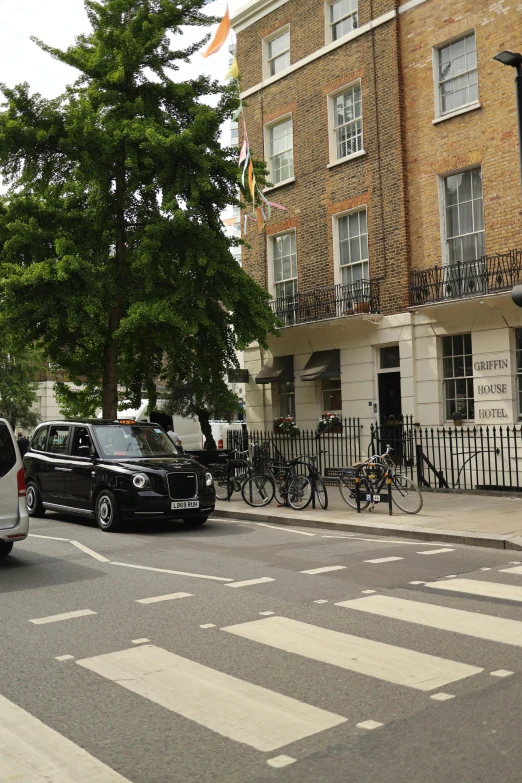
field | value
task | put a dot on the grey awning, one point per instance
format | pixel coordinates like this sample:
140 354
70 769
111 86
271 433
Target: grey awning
322 364
279 368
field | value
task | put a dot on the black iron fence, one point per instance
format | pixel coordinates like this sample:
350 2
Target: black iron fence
485 458
484 275
332 301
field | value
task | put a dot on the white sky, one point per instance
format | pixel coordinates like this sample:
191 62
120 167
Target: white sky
57 22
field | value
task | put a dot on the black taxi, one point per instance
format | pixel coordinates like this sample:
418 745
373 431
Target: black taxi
114 471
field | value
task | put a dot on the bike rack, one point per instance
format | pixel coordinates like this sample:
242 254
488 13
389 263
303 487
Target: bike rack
373 498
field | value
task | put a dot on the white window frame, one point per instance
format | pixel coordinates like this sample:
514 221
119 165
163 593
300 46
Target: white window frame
338 278
270 258
328 24
475 104
268 40
332 135
266 131
454 377
442 210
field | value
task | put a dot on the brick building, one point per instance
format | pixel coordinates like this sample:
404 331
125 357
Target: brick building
390 136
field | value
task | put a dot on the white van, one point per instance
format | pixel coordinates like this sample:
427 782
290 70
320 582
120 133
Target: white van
14 520
220 430
188 429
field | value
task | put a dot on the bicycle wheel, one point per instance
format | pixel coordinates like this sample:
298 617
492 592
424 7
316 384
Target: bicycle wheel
258 490
280 483
405 494
221 484
300 492
320 488
347 489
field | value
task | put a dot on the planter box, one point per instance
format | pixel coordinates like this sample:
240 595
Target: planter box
362 307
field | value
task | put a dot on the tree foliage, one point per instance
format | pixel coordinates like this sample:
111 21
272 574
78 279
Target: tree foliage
112 250
18 367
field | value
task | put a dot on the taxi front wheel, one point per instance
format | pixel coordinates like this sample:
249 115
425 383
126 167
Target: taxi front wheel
107 512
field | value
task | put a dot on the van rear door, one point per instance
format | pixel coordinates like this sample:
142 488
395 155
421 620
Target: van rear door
8 480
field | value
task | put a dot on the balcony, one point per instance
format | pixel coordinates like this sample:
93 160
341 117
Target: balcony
485 275
334 301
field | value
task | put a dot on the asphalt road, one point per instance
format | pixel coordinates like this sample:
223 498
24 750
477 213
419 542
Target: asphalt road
417 678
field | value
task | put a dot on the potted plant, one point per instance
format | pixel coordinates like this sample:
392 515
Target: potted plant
362 307
457 417
330 422
286 425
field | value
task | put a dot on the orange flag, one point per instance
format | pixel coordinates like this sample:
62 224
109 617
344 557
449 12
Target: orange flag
251 178
221 35
260 220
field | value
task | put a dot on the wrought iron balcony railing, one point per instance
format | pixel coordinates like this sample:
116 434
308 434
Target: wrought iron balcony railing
332 301
485 275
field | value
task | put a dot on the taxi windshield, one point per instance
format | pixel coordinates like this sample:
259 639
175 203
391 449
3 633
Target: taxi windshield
134 441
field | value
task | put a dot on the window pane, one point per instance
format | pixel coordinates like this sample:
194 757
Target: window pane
344 253
278 45
458 345
478 216
451 189
446 346
389 357
452 221
343 227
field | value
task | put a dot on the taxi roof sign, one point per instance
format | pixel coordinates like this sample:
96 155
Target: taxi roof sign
126 421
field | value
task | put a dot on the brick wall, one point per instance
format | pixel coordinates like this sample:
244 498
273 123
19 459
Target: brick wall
377 179
486 137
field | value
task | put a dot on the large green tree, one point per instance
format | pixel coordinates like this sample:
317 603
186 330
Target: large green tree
19 367
112 251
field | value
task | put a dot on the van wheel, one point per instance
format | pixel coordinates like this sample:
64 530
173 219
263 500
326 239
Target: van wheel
5 547
195 521
34 501
107 512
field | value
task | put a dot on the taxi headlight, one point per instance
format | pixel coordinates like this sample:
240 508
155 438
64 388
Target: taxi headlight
141 481
208 478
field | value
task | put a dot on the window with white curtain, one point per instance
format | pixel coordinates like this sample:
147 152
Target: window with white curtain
457 74
342 18
284 264
347 124
281 147
352 234
464 216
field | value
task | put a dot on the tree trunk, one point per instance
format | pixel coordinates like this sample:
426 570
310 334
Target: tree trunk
110 351
206 429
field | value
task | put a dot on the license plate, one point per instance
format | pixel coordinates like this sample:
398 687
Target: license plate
181 504
373 498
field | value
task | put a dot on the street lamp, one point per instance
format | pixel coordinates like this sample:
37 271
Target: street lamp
515 61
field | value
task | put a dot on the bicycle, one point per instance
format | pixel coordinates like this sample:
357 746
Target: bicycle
373 474
314 478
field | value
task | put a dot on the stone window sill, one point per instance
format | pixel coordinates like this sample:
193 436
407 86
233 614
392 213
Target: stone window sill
458 112
279 185
345 160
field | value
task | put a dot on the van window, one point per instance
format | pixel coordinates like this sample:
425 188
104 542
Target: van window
7 451
40 439
58 438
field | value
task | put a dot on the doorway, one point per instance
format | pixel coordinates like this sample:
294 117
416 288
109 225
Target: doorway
390 402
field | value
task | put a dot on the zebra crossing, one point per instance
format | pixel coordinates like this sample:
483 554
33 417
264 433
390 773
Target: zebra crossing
265 720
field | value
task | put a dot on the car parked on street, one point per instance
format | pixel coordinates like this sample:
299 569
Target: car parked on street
14 520
114 471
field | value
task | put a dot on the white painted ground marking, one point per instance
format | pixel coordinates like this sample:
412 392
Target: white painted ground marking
64 657
384 661
208 625
56 618
266 614
140 641
157 598
450 576
248 582
90 552
442 696
368 591
323 570
475 587
321 601
51 538
383 560
415 583
31 751
501 673
380 540
369 724
436 551
481 626
283 528
178 573
258 717
514 562
485 569
281 761
516 570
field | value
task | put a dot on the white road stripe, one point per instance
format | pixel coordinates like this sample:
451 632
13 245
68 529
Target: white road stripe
157 598
436 551
475 587
249 582
281 761
481 626
354 537
283 528
51 538
31 752
384 560
56 618
323 570
90 552
375 659
233 708
515 570
177 573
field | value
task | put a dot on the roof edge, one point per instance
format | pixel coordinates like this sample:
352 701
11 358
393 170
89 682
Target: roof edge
253 12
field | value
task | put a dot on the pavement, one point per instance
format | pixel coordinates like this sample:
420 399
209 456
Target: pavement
247 653
460 518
